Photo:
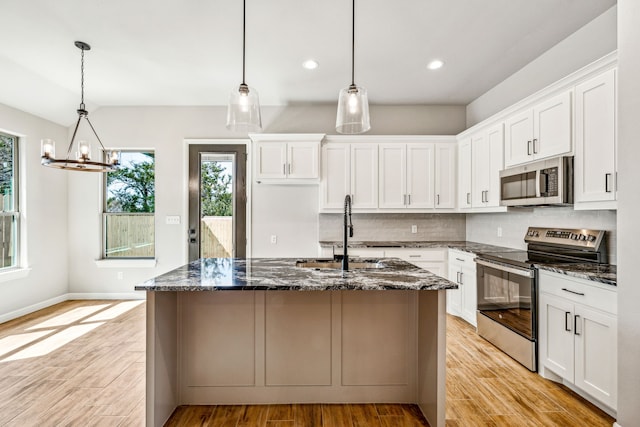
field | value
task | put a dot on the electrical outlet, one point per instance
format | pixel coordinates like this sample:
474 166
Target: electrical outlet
172 219
120 275
274 239
414 229
499 231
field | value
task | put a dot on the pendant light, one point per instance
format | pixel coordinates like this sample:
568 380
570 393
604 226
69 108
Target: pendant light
82 161
353 105
243 112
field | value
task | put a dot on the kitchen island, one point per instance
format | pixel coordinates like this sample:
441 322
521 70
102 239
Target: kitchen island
232 331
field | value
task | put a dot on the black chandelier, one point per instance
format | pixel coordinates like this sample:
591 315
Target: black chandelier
82 161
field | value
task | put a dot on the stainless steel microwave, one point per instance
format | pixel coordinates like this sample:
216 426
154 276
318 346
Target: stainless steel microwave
547 182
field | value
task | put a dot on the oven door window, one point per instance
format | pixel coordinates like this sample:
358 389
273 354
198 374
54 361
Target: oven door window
506 298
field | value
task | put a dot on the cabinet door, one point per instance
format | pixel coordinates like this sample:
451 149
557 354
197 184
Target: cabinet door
336 182
445 182
594 161
364 176
480 167
469 294
518 139
302 160
495 145
556 335
420 176
596 356
552 131
464 174
454 296
271 160
392 179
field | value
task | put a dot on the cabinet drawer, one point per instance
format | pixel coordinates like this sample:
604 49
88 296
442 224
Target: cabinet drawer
461 258
416 255
580 291
363 252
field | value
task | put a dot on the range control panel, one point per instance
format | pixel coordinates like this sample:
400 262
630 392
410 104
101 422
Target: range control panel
581 238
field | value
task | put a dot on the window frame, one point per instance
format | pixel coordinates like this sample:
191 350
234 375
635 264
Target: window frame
105 214
15 213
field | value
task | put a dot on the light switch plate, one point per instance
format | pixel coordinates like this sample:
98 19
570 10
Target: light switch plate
172 219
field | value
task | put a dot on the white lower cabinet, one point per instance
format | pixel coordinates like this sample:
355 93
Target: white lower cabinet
578 335
433 260
462 302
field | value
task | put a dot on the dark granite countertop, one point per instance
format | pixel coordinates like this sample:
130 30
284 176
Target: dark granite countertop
472 247
216 274
603 273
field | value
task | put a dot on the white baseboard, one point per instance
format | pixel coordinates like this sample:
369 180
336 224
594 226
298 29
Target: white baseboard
30 309
73 296
106 295
616 424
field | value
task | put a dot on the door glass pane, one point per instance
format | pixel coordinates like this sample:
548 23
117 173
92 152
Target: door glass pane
217 201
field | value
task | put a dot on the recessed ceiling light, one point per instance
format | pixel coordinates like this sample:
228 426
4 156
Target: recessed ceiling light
435 64
310 64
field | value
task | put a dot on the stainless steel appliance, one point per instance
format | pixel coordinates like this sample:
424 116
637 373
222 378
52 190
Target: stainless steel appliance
547 182
507 286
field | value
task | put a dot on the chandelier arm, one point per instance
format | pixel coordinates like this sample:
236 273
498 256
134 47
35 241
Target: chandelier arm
95 133
73 138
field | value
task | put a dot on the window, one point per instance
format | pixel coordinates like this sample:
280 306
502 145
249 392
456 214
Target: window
129 207
9 215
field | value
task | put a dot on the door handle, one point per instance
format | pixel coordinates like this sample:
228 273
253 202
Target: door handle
575 324
534 146
461 277
284 169
567 326
607 177
289 168
528 148
192 236
457 277
468 196
409 198
438 199
404 199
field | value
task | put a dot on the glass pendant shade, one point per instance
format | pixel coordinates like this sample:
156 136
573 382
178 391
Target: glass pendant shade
353 111
243 112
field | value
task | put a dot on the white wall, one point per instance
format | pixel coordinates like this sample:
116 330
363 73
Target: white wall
483 227
290 212
589 43
43 208
628 209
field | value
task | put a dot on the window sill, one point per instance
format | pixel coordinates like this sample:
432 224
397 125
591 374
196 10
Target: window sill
14 274
126 263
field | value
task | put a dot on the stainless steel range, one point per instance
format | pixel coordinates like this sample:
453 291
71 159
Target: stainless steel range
507 286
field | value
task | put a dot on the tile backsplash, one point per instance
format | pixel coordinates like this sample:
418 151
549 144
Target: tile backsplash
387 226
483 227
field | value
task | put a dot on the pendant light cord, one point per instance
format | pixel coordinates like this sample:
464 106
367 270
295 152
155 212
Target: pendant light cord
244 26
353 41
82 107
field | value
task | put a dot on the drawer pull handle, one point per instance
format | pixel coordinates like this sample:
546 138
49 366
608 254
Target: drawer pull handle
573 292
567 326
459 259
415 256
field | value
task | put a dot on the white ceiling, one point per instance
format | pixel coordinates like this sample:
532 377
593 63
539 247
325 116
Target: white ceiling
189 52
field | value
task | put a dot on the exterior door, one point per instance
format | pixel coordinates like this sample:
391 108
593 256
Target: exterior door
217 201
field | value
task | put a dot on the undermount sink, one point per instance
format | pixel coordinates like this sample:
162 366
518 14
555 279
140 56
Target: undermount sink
337 265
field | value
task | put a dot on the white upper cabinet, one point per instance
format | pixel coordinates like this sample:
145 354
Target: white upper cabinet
349 169
421 164
464 174
285 158
406 177
364 176
595 156
487 149
540 132
445 179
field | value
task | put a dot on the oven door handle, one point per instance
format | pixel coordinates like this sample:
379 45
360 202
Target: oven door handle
513 270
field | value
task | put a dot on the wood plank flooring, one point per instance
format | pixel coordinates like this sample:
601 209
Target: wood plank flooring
97 379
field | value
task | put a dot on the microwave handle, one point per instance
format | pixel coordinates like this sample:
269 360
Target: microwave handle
539 178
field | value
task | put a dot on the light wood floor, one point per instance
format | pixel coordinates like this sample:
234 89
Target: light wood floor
97 379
